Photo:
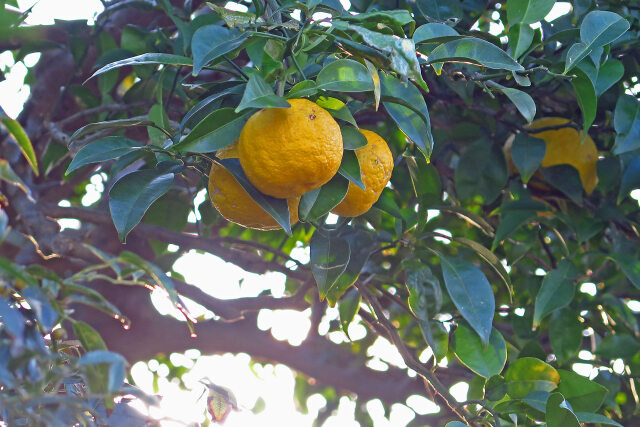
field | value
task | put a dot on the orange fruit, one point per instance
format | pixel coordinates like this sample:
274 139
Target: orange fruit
286 152
376 165
235 204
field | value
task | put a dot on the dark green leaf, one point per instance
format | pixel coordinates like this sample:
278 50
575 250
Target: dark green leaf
216 131
258 94
361 244
527 375
329 258
618 346
626 121
566 179
559 413
630 179
520 38
352 138
556 290
320 201
395 19
587 99
471 293
528 11
484 360
132 195
350 168
482 170
207 106
440 9
527 153
565 340
585 417
476 51
277 208
604 76
345 75
210 42
146 58
490 258
583 394
523 102
630 266
101 150
302 89
348 307
433 30
111 124
495 388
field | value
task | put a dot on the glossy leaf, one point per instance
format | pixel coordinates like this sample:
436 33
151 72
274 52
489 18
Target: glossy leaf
630 266
484 360
433 30
630 179
145 59
352 138
258 94
111 124
566 334
587 98
559 413
583 394
527 153
527 375
350 168
482 170
205 107
604 76
471 293
302 89
520 38
626 121
216 131
348 307
22 139
528 11
556 291
329 258
476 51
131 196
210 42
361 244
103 149
345 75
587 418
320 201
618 346
277 208
88 337
566 179
523 102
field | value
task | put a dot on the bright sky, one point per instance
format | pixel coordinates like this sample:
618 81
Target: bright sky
274 384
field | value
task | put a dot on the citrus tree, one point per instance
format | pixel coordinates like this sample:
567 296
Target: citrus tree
460 173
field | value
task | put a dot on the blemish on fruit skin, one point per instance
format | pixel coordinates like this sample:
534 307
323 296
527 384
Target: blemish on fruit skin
312 116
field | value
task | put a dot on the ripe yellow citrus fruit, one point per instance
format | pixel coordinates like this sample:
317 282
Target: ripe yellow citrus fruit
286 152
564 146
376 165
235 204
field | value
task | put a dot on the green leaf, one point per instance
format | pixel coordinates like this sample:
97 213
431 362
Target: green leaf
484 360
375 77
566 340
401 101
401 51
527 153
476 51
345 75
528 11
630 266
21 137
583 394
604 76
320 201
559 413
440 9
433 30
102 149
522 100
348 307
495 388
585 417
361 244
111 124
490 259
219 129
302 89
425 179
520 38
565 178
527 375
556 290
8 175
471 293
329 258
455 424
207 106
396 19
144 59
258 94
88 337
626 121
598 28
131 196
482 170
618 346
350 168
337 109
352 138
630 179
277 208
210 42
587 99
